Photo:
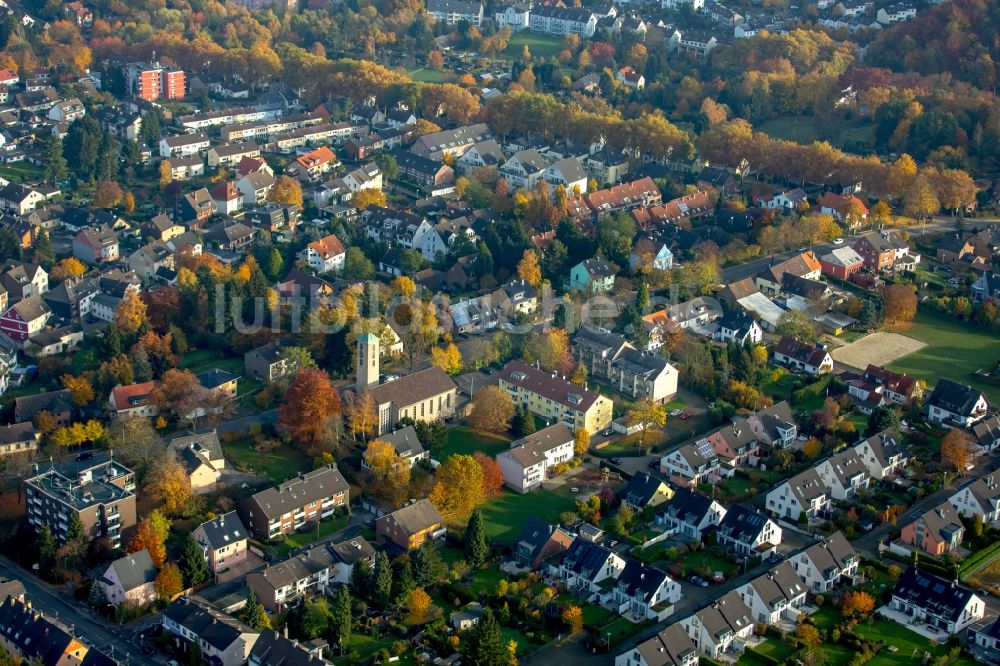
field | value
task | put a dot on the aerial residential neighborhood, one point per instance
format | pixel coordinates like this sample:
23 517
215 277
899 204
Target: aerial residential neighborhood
451 332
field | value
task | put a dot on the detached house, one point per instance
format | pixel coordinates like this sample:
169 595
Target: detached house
538 541
689 514
882 454
25 319
406 445
255 187
936 531
922 597
827 564
528 461
644 490
325 255
801 356
844 474
691 464
129 580
952 403
592 276
774 425
584 565
748 533
224 540
409 527
804 493
197 207
642 592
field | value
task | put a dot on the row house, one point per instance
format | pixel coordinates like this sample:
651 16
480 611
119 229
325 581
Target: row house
221 639
316 134
642 592
980 497
645 491
776 595
255 187
844 474
735 445
827 564
197 122
669 647
882 454
434 177
748 533
451 143
285 508
230 154
554 398
301 576
486 153
184 145
265 130
878 386
680 211
721 628
804 493
803 357
691 464
774 426
937 531
923 598
642 193
584 566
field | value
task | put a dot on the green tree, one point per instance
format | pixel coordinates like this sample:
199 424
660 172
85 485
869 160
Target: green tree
382 581
477 546
342 616
47 548
642 298
361 576
428 567
74 529
253 614
523 423
10 247
275 264
54 164
42 251
357 266
313 619
193 563
485 645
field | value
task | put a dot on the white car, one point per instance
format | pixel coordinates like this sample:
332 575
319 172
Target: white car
677 412
838 241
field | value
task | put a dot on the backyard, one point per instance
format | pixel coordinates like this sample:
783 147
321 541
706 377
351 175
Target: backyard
277 464
954 350
299 539
505 515
464 440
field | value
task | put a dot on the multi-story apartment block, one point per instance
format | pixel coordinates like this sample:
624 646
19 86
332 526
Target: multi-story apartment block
287 507
153 81
100 490
554 398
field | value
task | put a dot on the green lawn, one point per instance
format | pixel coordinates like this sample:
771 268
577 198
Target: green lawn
326 528
776 649
702 558
827 617
485 581
18 171
206 359
954 350
907 641
462 440
505 515
806 129
539 45
277 464
424 75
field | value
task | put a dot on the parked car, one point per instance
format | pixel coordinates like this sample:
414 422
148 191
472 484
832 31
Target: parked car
676 412
653 464
686 415
616 461
838 241
698 580
607 432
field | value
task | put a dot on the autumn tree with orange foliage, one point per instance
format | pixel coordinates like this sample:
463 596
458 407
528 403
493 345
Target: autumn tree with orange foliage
151 534
492 475
308 408
130 314
857 604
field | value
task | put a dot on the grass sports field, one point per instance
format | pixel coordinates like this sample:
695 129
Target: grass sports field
878 348
539 45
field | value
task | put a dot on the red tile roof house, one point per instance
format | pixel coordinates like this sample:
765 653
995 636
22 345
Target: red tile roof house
132 400
841 263
877 252
839 205
313 164
811 359
25 318
640 193
325 255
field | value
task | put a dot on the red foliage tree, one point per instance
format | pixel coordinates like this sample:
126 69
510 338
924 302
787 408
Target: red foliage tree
492 476
309 405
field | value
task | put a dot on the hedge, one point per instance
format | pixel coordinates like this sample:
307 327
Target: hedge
978 558
813 390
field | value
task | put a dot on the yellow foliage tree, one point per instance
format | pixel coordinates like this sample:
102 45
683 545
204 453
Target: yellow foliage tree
581 442
390 472
573 617
130 314
528 268
166 173
286 190
448 358
404 286
80 388
72 267
363 199
170 484
169 582
418 603
362 414
646 414
458 488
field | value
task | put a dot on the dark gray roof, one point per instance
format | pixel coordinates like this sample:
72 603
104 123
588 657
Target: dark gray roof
639 580
134 570
405 442
742 524
925 590
223 530
215 377
303 489
274 649
415 517
954 397
217 629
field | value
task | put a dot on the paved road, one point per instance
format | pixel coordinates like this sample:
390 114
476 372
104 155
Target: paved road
59 606
243 423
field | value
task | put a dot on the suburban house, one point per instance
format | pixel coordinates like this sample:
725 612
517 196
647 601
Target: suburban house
18 438
538 541
651 254
406 445
936 531
827 564
689 514
636 373
877 386
670 647
530 460
25 319
96 245
222 639
295 578
183 145
197 207
592 276
987 434
723 627
30 637
584 565
747 532
348 554
845 208
985 287
952 404
841 263
844 474
922 597
268 363
691 464
129 580
803 357
325 255
273 649
981 497
224 540
409 527
285 508
219 383
644 490
133 400
735 444
803 494
553 398
775 595
642 592
882 454
774 425
772 279
200 454
739 327
883 250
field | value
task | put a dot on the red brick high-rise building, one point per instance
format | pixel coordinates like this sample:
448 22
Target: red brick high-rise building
152 81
